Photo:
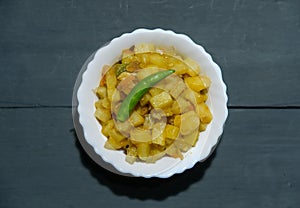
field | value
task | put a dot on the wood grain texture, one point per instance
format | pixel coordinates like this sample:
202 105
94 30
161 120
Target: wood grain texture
44 44
255 165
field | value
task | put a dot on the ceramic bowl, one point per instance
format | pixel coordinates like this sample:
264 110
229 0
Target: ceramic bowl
166 166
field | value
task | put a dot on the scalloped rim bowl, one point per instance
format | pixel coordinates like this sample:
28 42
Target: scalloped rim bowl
166 166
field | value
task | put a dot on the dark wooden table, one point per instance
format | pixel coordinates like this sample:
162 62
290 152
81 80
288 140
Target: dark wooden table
43 45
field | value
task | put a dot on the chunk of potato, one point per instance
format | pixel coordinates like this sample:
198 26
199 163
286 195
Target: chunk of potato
111 143
160 140
195 83
202 127
107 127
204 113
158 60
102 114
136 119
103 103
101 92
111 82
171 131
200 98
180 68
161 100
143 150
131 154
175 108
194 68
145 99
155 91
118 137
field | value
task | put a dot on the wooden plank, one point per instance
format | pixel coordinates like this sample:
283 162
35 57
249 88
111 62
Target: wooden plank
44 44
255 165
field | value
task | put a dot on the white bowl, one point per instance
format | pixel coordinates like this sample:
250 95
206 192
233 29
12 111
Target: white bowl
166 166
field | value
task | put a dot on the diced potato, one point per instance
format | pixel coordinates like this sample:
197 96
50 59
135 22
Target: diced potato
136 119
168 111
140 135
111 143
171 131
175 108
191 138
161 100
180 68
131 154
107 127
155 91
103 103
143 73
101 92
177 120
158 60
143 150
189 122
200 98
118 137
160 140
194 68
195 83
102 114
131 150
144 48
202 127
204 113
130 159
98 104
111 82
142 110
145 99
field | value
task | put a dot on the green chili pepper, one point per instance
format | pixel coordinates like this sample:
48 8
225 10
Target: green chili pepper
120 68
138 91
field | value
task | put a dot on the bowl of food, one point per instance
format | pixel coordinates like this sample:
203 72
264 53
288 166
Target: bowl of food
152 103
